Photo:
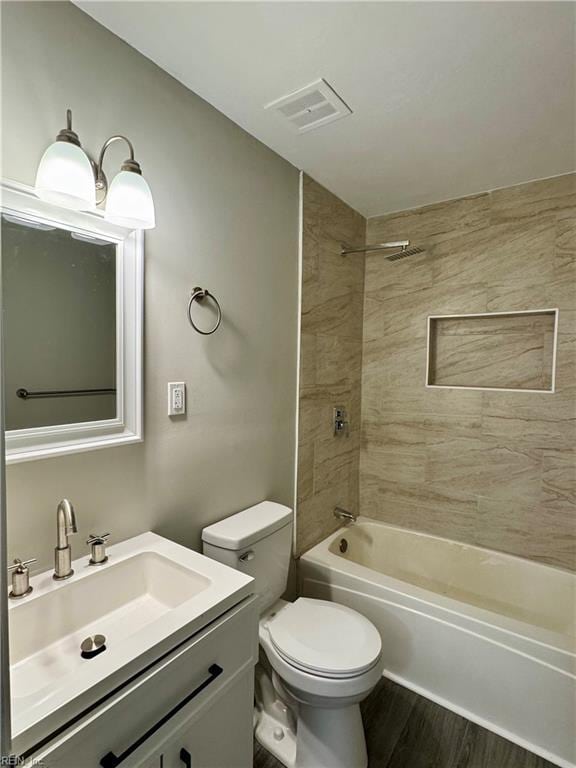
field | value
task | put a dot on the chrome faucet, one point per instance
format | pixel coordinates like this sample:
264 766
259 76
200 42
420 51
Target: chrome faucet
343 514
66 525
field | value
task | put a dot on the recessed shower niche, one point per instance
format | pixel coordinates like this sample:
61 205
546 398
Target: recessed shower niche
496 351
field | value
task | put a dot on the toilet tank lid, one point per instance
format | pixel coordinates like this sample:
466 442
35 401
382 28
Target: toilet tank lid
247 527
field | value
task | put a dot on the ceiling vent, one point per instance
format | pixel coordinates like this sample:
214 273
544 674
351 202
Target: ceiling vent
311 107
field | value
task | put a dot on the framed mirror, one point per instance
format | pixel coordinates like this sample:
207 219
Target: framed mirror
72 300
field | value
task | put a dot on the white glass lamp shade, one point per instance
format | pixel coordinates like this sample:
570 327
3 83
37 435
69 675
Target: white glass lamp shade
65 177
129 202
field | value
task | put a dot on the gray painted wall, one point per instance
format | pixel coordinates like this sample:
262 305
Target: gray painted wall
227 219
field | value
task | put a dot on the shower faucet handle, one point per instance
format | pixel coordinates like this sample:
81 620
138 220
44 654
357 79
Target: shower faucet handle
340 420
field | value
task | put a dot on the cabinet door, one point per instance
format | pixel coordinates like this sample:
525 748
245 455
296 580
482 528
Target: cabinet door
221 737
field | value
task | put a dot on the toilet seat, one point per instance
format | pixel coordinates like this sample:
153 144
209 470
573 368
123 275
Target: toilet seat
324 638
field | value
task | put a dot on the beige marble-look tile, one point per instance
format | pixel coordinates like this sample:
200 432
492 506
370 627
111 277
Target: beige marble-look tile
455 299
386 493
396 320
497 470
566 235
419 224
335 459
305 470
566 365
545 432
527 530
338 361
562 287
476 466
419 430
315 515
373 319
331 353
316 405
559 480
407 277
403 359
307 360
409 393
339 273
372 395
333 315
405 465
503 254
507 360
496 324
518 297
413 506
567 321
525 201
310 254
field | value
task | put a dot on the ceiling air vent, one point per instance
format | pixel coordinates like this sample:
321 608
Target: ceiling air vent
311 107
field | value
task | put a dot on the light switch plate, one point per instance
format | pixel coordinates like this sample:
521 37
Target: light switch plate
176 398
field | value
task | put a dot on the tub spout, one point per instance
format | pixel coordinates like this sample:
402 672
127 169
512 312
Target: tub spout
343 514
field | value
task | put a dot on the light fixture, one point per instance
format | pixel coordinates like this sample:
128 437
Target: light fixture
129 199
69 177
65 174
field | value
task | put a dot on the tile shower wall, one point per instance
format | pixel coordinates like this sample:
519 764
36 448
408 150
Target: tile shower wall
330 362
495 469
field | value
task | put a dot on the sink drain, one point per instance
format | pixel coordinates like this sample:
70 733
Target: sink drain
92 646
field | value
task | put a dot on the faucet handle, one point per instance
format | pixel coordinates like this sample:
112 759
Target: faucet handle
20 578
19 565
97 545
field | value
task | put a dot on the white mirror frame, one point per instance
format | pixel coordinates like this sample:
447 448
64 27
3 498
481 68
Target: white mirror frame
45 442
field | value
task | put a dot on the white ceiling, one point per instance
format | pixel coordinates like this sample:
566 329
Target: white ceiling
448 99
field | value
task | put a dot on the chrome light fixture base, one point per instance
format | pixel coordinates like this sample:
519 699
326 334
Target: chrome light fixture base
67 134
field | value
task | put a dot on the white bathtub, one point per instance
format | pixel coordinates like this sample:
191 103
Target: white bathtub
488 635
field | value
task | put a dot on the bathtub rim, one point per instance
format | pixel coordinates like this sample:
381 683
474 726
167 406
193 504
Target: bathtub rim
438 604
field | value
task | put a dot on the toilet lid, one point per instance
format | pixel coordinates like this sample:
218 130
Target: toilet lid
325 638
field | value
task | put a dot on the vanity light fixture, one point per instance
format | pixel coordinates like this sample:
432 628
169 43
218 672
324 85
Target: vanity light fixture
68 177
65 175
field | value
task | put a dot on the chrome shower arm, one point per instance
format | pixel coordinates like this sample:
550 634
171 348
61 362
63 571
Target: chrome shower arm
346 249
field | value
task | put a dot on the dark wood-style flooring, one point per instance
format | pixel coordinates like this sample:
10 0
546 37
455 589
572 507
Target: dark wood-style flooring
404 730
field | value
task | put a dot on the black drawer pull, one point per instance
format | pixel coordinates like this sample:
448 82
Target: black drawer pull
186 758
110 760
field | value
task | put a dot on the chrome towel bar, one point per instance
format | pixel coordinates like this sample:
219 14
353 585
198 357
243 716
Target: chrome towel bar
25 394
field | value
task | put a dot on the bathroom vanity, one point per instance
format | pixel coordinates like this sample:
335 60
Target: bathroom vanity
174 683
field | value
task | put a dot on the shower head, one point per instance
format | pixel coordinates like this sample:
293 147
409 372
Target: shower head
403 253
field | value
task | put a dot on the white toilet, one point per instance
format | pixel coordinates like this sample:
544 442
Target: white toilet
324 657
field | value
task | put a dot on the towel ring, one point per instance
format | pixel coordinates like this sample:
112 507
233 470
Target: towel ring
199 294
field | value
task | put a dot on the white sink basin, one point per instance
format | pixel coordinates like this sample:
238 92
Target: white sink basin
150 595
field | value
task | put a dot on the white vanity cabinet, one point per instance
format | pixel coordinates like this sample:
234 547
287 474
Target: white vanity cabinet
221 736
191 709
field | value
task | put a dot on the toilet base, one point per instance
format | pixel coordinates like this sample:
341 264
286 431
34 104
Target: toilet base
276 738
302 736
330 738
274 720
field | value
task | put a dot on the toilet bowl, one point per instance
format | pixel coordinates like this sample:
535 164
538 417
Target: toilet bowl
323 671
320 659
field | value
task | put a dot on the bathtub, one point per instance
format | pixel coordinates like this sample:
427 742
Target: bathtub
487 635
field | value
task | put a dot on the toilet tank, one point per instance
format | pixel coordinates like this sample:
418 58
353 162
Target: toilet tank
257 541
